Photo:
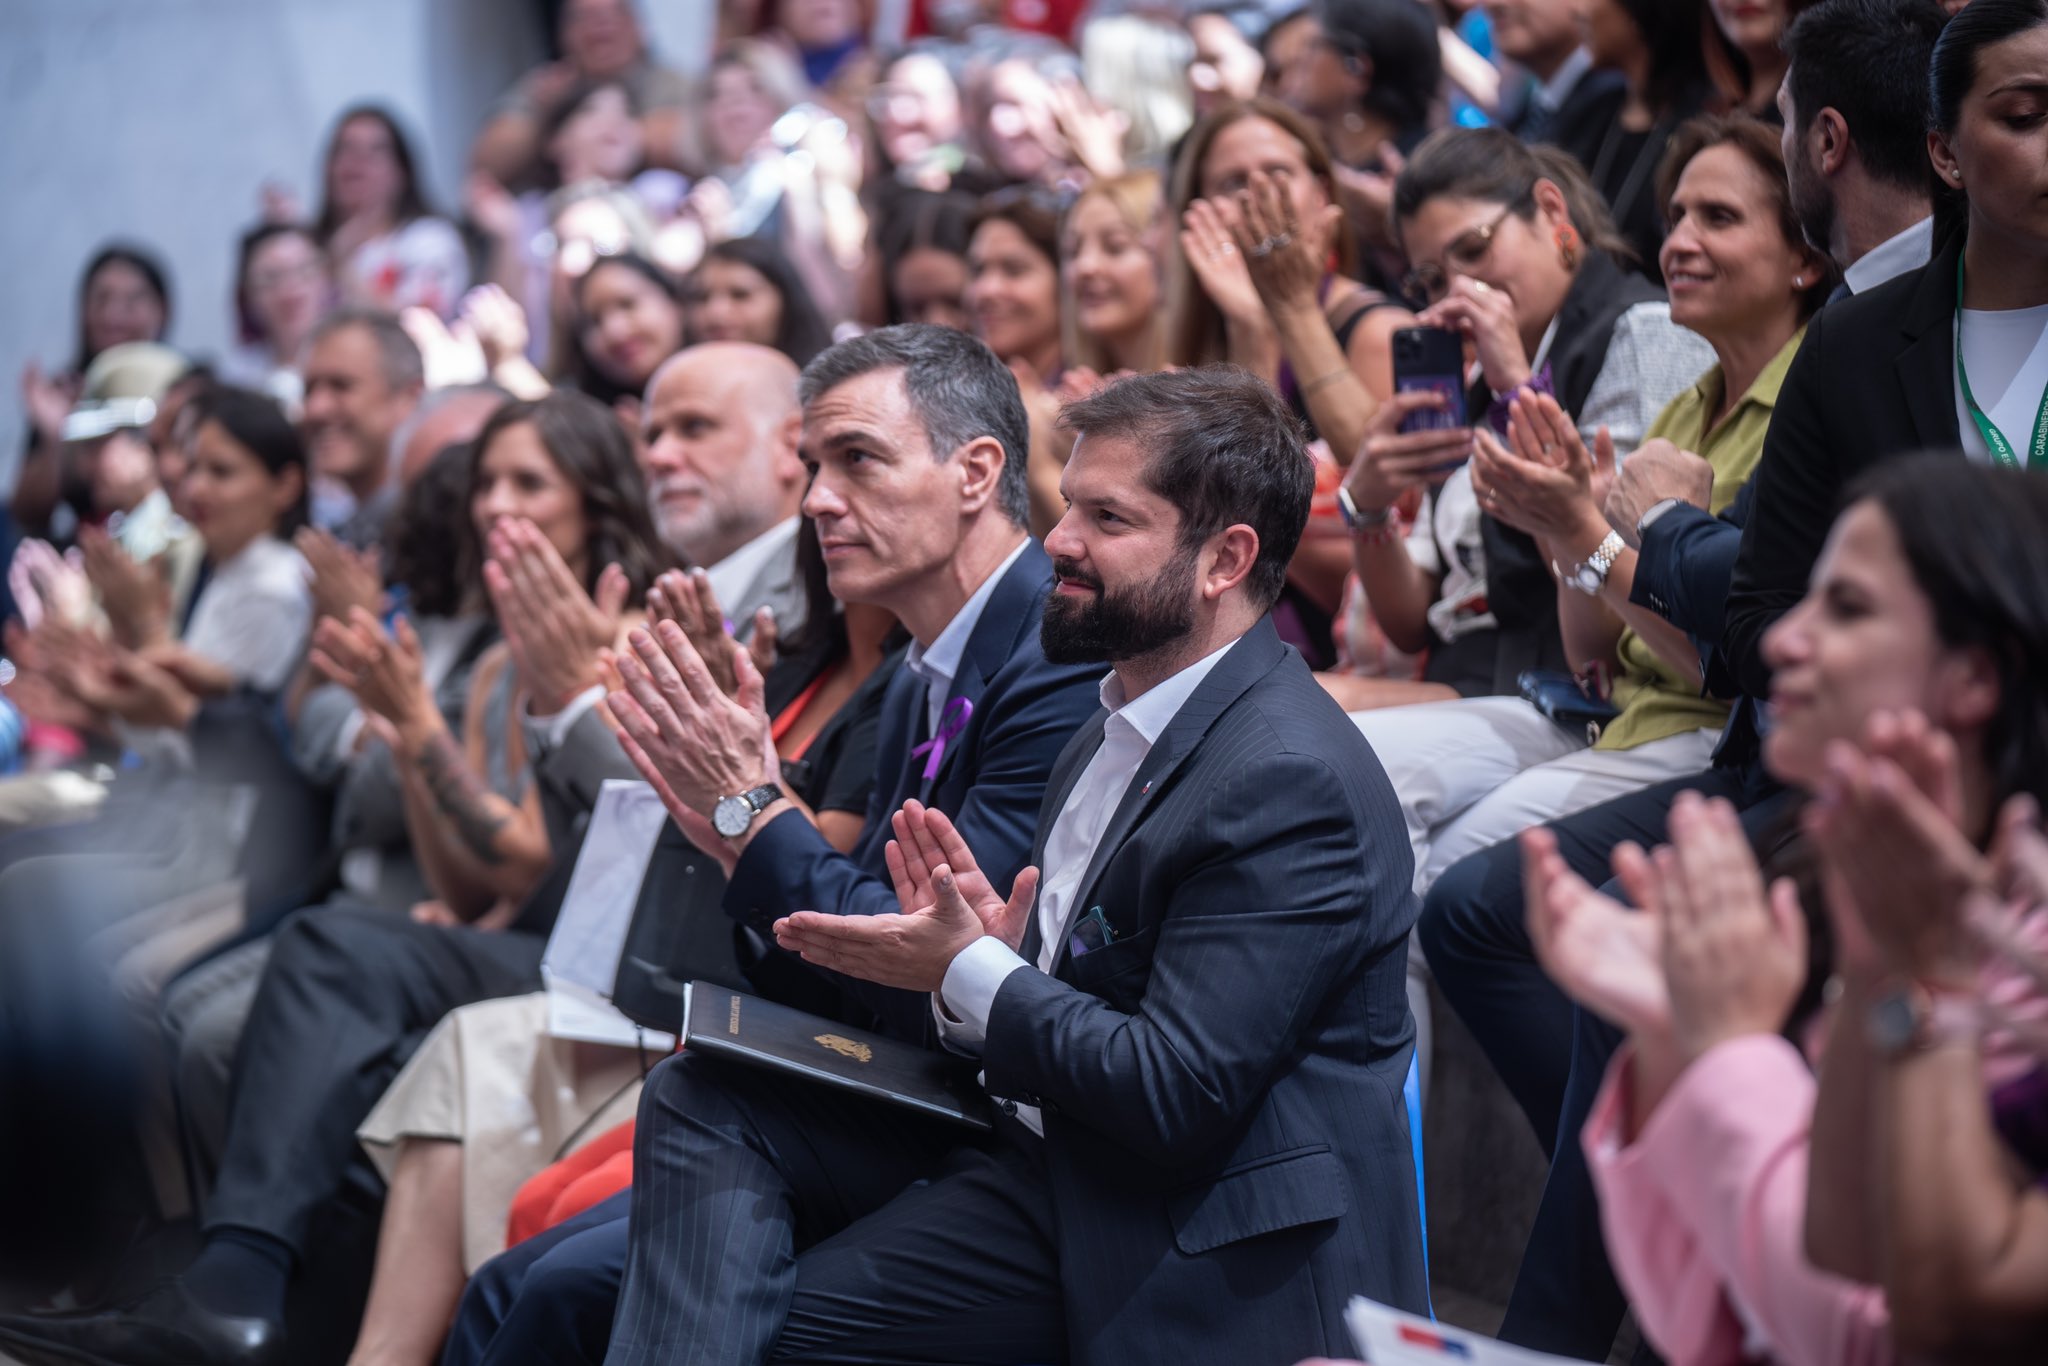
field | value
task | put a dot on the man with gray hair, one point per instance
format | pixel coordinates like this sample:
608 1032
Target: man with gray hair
364 377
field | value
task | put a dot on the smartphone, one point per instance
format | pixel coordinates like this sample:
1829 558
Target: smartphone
1431 359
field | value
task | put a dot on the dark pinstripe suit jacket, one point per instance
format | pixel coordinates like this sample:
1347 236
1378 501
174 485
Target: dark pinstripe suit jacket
1227 1145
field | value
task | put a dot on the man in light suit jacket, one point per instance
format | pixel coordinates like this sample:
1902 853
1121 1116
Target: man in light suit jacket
1194 1019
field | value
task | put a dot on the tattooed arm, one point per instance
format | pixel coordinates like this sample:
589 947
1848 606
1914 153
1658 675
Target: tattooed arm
476 848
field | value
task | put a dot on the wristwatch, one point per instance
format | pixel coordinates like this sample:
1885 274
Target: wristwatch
733 815
1589 575
1911 1018
1656 510
1357 520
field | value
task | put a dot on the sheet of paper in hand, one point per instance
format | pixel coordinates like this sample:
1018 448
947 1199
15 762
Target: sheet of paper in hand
1386 1336
581 965
747 1029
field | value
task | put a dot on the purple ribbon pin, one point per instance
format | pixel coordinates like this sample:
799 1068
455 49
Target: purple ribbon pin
952 721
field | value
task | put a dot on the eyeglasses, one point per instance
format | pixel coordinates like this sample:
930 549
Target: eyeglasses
1428 282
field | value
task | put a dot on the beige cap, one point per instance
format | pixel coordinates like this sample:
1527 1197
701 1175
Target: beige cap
123 386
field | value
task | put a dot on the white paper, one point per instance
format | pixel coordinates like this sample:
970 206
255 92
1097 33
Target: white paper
581 965
1386 1336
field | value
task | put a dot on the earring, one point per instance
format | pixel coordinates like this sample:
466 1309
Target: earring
1955 173
1568 246
1799 282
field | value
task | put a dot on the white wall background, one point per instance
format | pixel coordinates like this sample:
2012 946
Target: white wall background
159 120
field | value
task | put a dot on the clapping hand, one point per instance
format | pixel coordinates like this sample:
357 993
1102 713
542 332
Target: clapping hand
382 670
947 904
1734 953
136 690
1208 240
1900 869
688 600
553 629
689 740
1093 131
1542 480
136 595
1284 257
1603 955
341 578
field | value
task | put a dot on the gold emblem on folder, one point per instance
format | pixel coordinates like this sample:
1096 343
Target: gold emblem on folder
847 1048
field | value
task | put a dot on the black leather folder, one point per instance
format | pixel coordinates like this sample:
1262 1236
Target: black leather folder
746 1029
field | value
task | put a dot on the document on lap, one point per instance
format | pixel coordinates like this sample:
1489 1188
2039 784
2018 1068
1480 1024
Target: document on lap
746 1029
581 966
1386 1336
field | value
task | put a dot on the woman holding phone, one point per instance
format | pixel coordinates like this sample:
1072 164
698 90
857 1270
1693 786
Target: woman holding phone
1475 771
1510 248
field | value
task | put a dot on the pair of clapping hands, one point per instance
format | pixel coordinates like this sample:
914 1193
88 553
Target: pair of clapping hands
1713 954
560 637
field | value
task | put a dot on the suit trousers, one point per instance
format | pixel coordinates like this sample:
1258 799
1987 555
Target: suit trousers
346 998
1552 1056
776 1219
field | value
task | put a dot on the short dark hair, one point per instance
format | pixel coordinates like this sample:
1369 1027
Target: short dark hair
398 355
1224 450
1399 38
1868 60
259 426
958 388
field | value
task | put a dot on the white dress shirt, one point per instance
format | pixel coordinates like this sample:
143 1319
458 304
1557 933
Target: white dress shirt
940 665
968 993
2007 354
1549 96
1892 257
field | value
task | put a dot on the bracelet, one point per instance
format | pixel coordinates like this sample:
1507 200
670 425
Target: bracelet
1320 380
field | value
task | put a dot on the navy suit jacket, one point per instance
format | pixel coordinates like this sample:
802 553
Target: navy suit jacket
1226 1143
990 783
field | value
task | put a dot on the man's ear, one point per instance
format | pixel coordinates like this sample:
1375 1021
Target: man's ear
1828 135
789 463
980 463
1232 554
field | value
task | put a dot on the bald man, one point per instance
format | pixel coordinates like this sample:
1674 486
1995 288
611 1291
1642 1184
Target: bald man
721 428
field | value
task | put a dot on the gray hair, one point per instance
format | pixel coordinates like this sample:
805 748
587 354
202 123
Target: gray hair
398 356
958 388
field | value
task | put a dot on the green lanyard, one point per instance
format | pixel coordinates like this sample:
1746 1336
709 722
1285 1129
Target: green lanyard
2001 449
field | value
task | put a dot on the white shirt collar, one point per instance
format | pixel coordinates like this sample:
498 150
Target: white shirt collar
1149 713
940 665
732 576
1892 257
1551 94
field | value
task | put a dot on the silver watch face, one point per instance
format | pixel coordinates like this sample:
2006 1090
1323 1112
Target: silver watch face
1586 579
732 816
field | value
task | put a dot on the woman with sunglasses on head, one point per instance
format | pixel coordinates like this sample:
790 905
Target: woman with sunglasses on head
1510 248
